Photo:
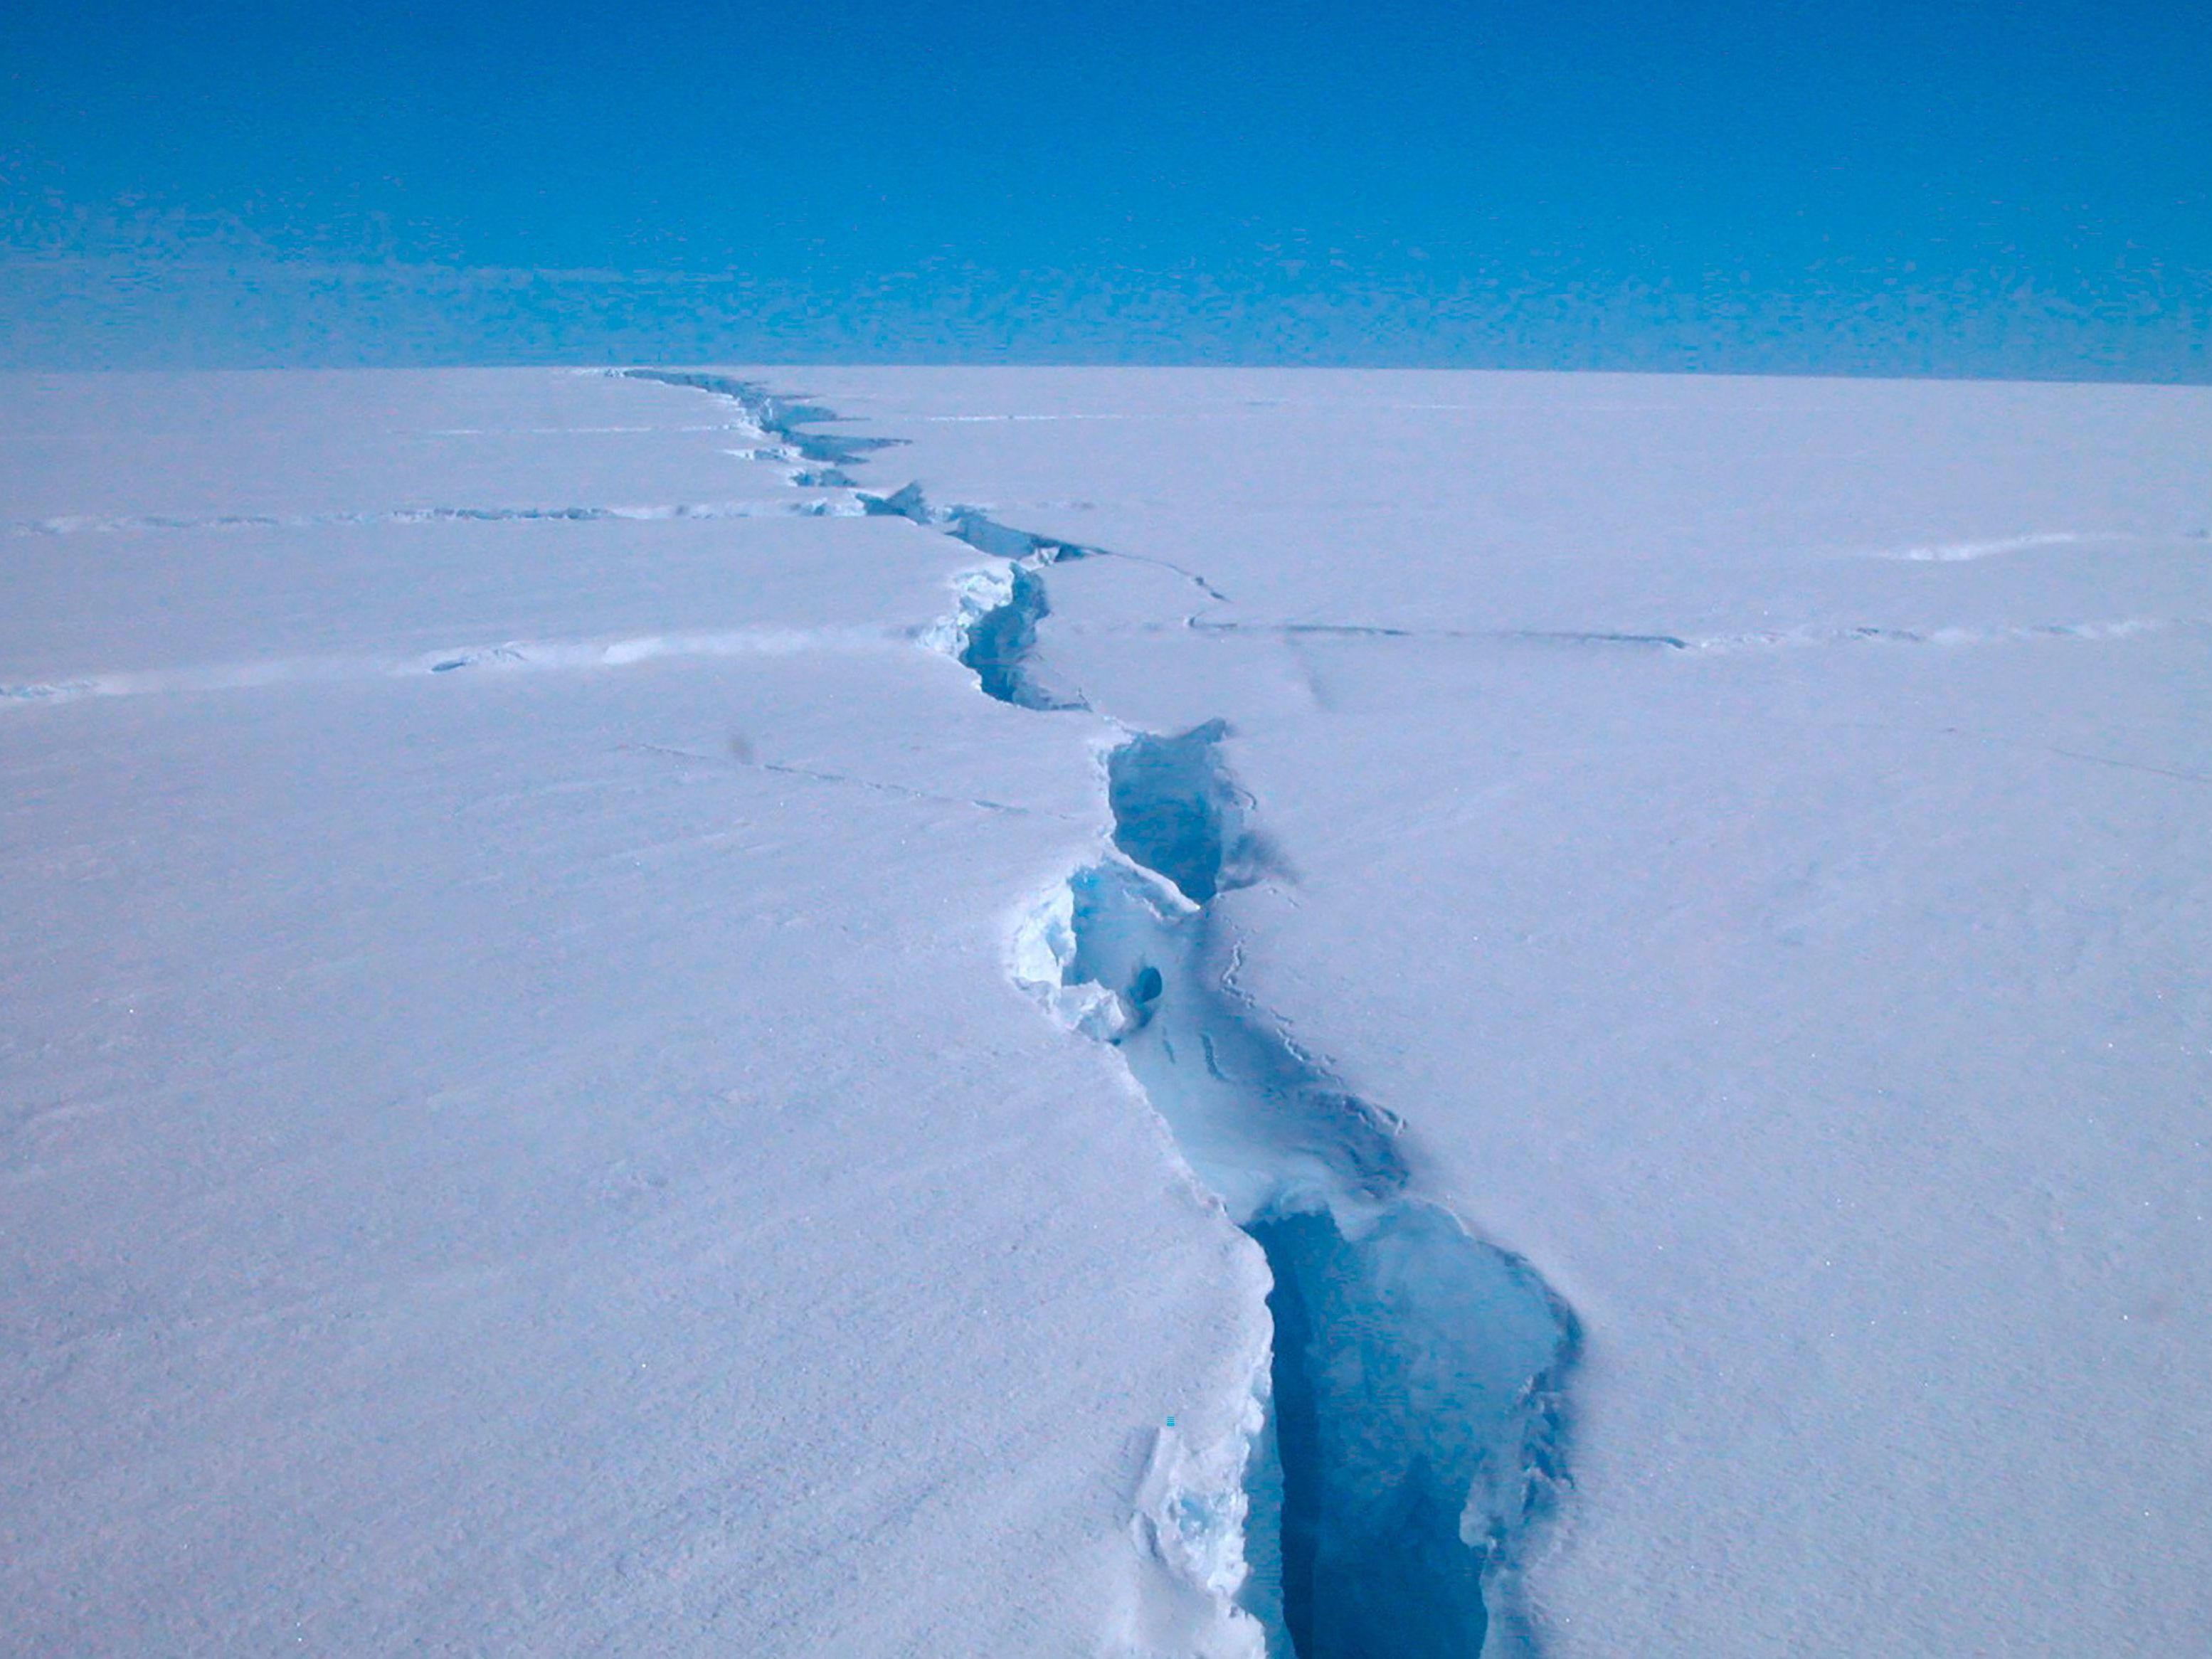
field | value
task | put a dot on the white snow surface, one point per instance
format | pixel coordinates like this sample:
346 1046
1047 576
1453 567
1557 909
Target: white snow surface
523 1130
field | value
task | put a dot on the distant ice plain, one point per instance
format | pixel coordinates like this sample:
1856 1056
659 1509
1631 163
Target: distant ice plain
553 1161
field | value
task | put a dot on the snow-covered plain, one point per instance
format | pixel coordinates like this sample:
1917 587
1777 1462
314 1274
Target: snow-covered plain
574 1083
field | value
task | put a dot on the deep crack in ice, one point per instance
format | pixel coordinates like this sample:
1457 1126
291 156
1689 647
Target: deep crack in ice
1413 1421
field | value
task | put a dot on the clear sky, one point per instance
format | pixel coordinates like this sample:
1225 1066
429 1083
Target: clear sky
1956 187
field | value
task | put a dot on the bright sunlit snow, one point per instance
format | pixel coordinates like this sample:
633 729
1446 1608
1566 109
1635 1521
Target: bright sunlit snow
1194 1012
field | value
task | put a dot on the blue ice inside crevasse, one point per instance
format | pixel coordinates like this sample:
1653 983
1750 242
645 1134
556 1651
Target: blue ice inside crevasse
1415 1421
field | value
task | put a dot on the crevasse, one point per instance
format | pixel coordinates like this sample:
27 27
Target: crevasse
1410 1425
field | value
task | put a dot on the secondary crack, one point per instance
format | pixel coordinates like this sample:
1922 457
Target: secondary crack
1948 634
980 803
1383 631
1945 634
823 508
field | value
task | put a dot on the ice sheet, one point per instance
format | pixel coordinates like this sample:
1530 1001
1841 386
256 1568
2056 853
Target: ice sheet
525 1129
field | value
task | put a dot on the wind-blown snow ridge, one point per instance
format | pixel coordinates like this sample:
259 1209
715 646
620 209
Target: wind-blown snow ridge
741 755
66 525
1960 552
613 651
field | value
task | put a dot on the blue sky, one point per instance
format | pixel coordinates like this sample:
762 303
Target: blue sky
1945 187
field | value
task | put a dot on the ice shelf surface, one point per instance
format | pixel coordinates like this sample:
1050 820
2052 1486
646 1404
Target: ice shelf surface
1665 917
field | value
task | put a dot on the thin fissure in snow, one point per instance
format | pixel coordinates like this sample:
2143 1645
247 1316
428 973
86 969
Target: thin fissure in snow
1570 636
555 655
1411 1423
